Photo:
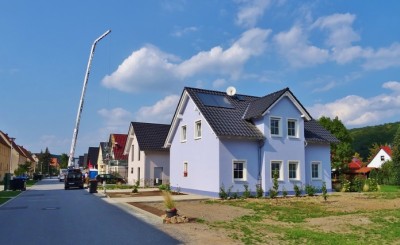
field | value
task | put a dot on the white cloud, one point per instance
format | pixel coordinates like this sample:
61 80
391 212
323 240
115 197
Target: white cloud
383 58
251 11
355 110
116 120
150 68
218 83
181 32
293 45
160 112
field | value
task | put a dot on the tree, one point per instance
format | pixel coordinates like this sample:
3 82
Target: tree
341 153
45 159
22 169
396 156
64 160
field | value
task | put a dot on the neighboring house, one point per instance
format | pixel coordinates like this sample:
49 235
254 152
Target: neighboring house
103 158
148 160
15 153
357 167
5 151
118 161
217 140
383 155
93 154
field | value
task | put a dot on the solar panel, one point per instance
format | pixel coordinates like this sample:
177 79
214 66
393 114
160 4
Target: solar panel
214 100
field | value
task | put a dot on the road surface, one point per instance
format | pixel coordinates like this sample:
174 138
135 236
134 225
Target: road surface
48 214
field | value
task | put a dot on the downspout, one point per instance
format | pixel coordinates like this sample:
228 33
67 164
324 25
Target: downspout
260 161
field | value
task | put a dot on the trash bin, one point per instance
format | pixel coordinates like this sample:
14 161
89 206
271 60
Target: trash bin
7 179
18 184
93 186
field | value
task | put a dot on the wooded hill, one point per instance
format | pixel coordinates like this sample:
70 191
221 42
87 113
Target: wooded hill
364 138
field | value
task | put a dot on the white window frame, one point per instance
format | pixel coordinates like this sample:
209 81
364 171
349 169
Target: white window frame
197 131
279 119
296 127
297 163
183 133
319 164
280 169
244 170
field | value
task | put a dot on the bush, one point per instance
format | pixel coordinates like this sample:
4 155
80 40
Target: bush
324 191
259 191
357 184
345 185
136 186
371 185
164 187
224 194
311 190
284 192
247 191
297 190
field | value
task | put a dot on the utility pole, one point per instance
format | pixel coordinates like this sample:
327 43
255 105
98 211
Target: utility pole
80 107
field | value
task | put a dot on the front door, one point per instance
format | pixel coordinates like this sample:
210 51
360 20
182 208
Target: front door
158 176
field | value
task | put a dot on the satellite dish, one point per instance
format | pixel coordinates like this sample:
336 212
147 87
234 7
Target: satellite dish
231 91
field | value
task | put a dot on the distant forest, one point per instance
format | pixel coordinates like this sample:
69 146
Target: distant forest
364 138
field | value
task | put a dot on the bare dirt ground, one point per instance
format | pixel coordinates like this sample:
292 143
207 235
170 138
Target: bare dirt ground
201 233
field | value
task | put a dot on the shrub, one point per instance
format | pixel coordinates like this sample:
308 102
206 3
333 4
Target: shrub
357 184
297 190
247 191
372 185
284 192
224 194
345 185
136 186
259 191
272 193
275 188
164 187
311 190
168 200
324 191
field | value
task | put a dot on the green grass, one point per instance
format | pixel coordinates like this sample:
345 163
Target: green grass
285 221
7 195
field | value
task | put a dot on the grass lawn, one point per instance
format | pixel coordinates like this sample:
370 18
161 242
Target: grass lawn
346 218
7 195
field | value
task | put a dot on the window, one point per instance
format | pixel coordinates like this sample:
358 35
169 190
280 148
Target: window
132 153
239 170
382 158
294 170
183 133
316 170
131 170
138 153
197 130
275 126
292 128
276 166
185 169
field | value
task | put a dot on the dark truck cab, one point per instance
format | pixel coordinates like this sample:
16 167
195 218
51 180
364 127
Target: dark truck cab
73 178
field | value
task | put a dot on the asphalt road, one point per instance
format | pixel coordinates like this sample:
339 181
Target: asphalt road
48 214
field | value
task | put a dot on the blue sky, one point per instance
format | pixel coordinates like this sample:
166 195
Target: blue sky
340 58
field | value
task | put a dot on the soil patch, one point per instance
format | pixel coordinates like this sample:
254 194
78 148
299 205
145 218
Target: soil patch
138 194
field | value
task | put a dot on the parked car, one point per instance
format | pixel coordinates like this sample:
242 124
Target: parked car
73 178
62 174
110 179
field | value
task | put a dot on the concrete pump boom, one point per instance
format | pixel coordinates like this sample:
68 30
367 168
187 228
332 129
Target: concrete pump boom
80 107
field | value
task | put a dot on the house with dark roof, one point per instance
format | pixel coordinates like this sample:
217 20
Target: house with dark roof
103 157
148 160
231 140
383 155
93 154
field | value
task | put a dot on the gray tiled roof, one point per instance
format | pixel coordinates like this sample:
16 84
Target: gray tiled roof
151 136
315 132
227 122
237 121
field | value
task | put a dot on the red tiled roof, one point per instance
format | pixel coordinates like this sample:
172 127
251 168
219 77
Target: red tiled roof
355 164
363 170
387 149
119 145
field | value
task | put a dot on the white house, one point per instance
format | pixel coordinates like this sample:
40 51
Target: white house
383 155
219 140
148 160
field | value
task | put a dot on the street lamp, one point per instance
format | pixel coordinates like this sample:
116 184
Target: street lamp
11 149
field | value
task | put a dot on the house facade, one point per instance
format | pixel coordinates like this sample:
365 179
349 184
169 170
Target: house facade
103 158
383 155
148 160
219 140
